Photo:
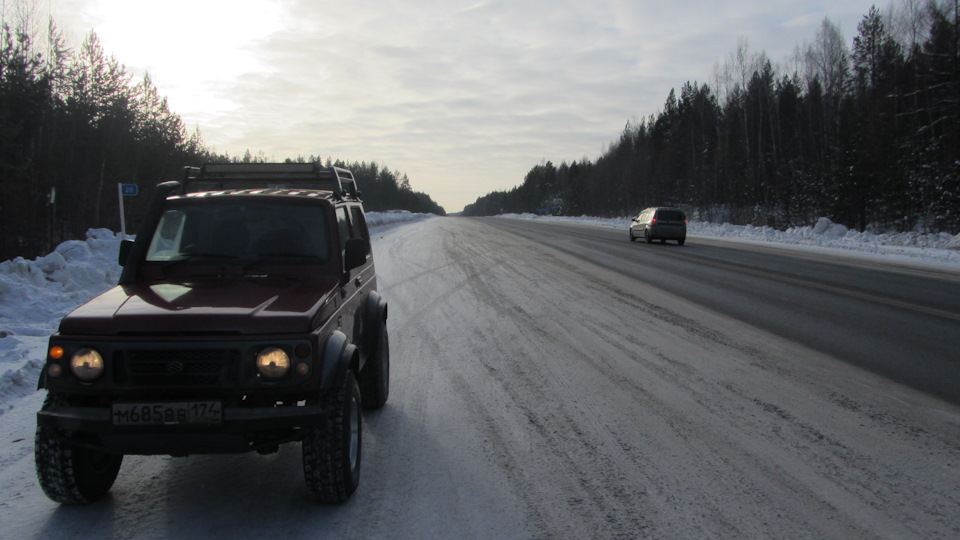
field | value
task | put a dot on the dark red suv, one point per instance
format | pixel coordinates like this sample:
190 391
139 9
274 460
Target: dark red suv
246 317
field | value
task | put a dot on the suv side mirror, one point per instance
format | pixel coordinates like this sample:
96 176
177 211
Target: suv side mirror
355 253
125 247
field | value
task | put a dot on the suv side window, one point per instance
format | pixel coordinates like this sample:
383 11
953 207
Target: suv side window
359 224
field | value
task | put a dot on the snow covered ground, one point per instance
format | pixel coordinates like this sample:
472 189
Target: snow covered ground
34 295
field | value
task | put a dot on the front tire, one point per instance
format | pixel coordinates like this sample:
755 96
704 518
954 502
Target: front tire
332 450
70 474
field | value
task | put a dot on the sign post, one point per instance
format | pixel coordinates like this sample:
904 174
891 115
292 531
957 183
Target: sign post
125 190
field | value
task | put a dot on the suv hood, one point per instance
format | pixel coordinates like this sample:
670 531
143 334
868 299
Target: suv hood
215 306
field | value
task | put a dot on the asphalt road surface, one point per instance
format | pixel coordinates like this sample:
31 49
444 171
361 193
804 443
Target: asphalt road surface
900 322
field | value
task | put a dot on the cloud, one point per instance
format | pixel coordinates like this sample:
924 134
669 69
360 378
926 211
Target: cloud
473 84
464 96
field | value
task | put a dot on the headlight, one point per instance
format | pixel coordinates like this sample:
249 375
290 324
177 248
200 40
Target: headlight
86 364
273 363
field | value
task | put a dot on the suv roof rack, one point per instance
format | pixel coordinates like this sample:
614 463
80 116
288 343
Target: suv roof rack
221 176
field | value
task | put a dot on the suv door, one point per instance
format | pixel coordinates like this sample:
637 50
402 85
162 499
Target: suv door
359 281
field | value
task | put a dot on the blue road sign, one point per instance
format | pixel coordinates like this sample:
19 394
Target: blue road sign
129 190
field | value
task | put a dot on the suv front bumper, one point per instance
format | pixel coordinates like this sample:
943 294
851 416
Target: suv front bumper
240 430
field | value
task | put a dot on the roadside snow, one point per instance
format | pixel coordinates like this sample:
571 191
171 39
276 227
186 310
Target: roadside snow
937 249
35 295
393 217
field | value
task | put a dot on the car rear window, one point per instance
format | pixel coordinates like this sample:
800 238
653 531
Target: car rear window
670 215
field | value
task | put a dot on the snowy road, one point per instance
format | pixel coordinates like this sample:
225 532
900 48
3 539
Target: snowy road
540 393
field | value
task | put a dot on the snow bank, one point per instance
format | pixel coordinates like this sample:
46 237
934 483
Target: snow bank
35 295
940 248
393 217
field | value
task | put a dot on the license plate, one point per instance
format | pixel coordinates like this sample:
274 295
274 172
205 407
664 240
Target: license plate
169 413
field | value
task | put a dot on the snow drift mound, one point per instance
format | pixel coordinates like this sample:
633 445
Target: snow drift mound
394 217
35 294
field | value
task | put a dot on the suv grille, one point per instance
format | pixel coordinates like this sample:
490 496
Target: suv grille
191 368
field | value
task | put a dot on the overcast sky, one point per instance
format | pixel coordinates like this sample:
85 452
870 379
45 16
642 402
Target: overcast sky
463 96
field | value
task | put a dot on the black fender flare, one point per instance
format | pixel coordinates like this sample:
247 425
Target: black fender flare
374 317
339 355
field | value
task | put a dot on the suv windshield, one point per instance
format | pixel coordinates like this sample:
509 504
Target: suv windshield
242 230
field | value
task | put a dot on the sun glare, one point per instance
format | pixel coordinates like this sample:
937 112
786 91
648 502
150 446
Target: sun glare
187 43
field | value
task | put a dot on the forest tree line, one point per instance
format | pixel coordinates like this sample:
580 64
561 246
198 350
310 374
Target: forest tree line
868 135
381 188
74 124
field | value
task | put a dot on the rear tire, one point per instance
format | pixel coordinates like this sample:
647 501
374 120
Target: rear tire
646 237
681 241
375 379
332 450
69 474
